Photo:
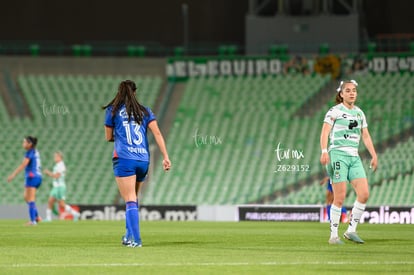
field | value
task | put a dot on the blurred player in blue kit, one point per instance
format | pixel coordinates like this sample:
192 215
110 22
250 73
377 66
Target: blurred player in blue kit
33 176
126 123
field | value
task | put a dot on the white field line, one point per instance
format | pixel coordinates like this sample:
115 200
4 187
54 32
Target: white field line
28 265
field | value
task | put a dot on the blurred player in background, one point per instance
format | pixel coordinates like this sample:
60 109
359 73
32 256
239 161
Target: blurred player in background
126 123
33 176
329 200
345 124
58 192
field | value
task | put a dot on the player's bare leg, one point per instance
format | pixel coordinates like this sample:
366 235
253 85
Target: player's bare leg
30 197
127 188
50 204
362 192
339 191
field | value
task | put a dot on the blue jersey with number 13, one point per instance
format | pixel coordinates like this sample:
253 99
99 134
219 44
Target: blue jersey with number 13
130 137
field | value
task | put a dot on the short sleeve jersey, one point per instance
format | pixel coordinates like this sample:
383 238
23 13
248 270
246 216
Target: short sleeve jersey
346 128
130 137
34 168
61 169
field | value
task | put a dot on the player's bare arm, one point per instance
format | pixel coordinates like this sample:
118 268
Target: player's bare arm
159 139
20 168
109 134
366 138
326 128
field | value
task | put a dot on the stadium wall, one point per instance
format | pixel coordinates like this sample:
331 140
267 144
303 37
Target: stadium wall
85 65
257 213
179 69
302 34
159 22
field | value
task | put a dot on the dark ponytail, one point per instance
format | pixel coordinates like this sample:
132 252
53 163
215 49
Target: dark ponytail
338 98
126 95
32 140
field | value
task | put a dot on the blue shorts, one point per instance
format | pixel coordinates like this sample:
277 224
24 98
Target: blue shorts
130 167
33 182
329 186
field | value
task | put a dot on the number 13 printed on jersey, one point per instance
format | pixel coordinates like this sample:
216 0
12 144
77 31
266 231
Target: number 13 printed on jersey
138 140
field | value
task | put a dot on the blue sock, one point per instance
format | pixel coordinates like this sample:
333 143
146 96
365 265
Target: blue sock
132 220
328 210
343 210
32 211
127 233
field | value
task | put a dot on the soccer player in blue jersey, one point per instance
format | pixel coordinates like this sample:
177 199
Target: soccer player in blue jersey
126 124
33 176
345 124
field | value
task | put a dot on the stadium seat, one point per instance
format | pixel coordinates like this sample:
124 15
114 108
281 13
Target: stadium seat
324 49
34 49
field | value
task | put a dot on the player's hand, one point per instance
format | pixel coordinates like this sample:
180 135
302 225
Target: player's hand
10 178
166 163
324 180
374 164
324 158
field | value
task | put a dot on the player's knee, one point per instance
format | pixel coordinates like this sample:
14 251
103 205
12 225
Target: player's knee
363 197
130 197
339 201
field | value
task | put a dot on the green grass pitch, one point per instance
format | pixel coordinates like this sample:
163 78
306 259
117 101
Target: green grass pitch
93 247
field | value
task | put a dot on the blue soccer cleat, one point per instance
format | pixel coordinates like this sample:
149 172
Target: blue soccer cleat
134 244
126 241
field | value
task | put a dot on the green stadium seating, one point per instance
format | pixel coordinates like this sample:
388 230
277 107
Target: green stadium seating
222 139
67 116
249 116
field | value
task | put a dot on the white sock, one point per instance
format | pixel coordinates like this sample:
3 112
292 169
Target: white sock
49 214
335 217
357 212
70 210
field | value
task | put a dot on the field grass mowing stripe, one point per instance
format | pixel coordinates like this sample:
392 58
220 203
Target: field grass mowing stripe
206 264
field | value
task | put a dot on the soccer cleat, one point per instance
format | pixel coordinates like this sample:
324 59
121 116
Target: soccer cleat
335 240
30 223
126 241
134 244
46 220
76 216
353 236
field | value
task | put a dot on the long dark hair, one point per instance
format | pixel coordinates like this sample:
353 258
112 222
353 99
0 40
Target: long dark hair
32 140
126 95
338 98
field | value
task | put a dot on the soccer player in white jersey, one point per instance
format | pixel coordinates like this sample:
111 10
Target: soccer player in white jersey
345 124
58 192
